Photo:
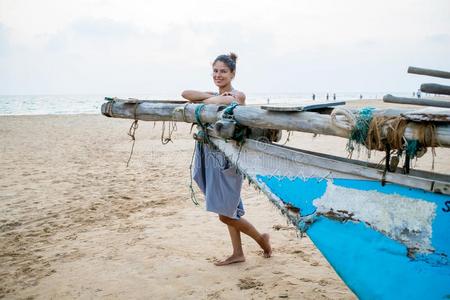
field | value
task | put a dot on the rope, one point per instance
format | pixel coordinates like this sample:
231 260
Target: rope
182 110
172 128
384 134
360 130
202 135
191 186
230 108
288 136
240 131
198 117
349 120
132 131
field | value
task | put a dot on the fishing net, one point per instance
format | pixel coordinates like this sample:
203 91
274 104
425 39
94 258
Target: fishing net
387 133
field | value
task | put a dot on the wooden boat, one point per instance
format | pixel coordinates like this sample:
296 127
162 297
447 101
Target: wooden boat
384 230
382 239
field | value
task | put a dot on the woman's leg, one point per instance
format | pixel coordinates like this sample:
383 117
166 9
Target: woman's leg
238 253
246 227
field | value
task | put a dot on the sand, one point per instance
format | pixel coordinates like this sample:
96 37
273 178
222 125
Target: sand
75 222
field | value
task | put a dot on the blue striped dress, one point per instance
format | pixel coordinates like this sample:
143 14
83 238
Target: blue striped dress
219 181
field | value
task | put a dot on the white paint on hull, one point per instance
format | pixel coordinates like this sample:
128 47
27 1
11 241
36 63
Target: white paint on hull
404 219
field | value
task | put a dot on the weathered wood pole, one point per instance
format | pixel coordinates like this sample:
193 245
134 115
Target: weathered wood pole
414 101
157 111
249 116
429 72
434 88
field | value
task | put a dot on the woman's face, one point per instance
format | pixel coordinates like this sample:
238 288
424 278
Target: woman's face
222 75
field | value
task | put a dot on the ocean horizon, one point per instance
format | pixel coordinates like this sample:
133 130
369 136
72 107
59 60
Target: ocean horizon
91 103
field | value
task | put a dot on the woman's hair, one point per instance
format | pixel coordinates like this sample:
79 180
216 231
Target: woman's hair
229 60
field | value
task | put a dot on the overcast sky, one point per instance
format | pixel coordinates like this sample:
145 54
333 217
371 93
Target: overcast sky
112 46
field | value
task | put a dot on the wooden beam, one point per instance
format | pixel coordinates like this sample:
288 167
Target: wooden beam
416 101
434 88
249 116
429 72
158 111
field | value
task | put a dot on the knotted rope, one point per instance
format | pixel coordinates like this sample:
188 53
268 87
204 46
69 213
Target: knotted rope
384 133
171 129
240 130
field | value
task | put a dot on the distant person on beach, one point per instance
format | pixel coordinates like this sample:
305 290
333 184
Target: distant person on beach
216 177
328 96
360 97
334 96
314 96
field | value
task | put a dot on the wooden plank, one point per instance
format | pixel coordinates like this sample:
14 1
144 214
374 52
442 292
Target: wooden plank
429 72
416 101
428 114
307 106
434 88
326 162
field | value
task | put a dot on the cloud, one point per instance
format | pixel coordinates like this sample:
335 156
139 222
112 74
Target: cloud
103 28
148 46
4 40
438 39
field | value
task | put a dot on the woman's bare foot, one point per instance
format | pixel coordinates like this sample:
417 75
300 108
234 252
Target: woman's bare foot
231 260
266 247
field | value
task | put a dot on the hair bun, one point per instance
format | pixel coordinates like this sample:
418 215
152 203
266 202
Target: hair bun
233 56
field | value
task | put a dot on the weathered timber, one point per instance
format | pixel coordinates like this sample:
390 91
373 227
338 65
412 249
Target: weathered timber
429 72
249 116
307 106
416 101
157 111
434 88
417 179
428 114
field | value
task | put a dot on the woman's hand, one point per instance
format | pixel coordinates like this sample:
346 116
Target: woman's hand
196 96
227 98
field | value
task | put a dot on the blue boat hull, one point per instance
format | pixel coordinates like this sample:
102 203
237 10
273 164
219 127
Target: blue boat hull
386 235
373 265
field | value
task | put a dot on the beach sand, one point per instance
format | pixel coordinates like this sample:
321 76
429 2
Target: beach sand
75 222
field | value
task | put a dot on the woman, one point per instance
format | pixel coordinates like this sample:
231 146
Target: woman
218 180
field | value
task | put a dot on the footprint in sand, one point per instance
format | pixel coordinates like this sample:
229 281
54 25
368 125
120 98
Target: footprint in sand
247 283
215 294
323 282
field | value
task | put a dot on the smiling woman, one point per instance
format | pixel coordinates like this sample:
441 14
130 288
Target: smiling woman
216 177
224 71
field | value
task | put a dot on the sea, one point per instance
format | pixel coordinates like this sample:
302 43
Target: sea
90 104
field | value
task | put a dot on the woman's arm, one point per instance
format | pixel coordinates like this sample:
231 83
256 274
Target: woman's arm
212 98
196 96
227 98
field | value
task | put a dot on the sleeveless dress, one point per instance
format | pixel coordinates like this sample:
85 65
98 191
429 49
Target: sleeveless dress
219 181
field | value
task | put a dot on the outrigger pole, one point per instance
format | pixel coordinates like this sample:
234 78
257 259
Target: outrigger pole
256 117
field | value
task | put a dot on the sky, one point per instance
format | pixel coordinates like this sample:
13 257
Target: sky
163 47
